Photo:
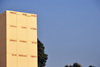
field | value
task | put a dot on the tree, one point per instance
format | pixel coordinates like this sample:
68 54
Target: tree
70 66
91 66
76 65
42 57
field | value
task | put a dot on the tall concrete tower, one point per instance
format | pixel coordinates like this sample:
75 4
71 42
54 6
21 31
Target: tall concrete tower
18 39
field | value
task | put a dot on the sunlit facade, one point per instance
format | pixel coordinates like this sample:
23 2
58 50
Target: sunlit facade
18 39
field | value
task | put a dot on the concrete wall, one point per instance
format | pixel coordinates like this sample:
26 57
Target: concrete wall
3 39
21 39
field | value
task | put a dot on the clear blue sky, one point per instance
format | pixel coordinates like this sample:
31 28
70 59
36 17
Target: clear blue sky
69 29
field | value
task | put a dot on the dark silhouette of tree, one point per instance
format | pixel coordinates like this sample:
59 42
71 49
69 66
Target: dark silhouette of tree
76 65
42 57
91 66
70 66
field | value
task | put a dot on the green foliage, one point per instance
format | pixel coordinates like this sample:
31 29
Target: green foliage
42 57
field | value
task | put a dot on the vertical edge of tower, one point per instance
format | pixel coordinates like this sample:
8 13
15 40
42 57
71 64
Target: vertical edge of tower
37 41
3 39
35 15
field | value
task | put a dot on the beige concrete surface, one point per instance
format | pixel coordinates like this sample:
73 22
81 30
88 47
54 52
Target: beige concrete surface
18 39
